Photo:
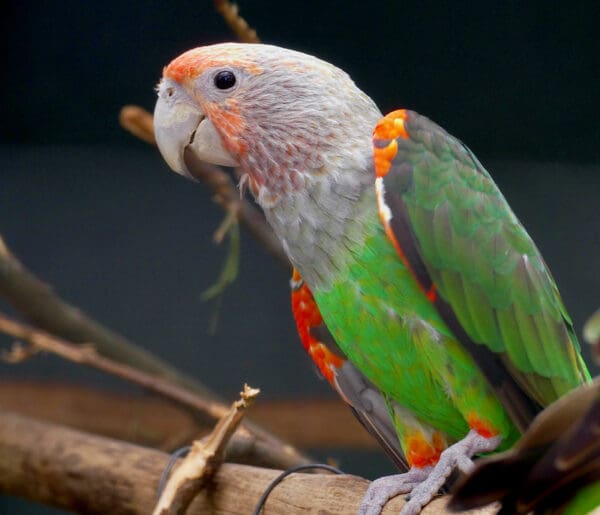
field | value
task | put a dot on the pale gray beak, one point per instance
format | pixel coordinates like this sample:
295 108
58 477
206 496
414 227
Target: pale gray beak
181 127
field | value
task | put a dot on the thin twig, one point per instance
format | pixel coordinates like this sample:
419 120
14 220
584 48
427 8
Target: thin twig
225 226
4 251
204 459
138 121
225 193
591 334
237 24
258 441
228 197
87 355
40 305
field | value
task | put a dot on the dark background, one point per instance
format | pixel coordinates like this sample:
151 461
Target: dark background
97 214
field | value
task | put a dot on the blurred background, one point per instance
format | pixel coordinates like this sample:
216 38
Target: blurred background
97 214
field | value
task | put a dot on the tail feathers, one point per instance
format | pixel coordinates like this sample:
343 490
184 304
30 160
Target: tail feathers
369 407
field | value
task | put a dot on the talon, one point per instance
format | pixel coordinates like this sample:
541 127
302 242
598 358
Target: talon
385 488
422 484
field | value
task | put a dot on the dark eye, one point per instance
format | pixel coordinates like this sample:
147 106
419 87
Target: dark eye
225 79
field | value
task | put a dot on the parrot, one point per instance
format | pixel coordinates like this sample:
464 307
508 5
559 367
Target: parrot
426 281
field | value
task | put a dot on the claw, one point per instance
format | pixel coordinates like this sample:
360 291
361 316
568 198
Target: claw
456 456
383 489
424 483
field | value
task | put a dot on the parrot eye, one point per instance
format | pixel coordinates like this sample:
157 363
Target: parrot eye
225 79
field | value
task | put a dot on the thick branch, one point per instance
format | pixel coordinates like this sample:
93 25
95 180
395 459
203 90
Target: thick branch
86 473
155 422
145 420
270 449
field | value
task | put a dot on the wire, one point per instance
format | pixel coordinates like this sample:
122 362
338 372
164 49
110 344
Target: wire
284 474
182 451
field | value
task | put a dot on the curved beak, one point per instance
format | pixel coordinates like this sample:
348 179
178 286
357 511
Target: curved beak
182 129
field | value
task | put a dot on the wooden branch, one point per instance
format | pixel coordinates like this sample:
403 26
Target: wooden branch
226 195
85 473
138 121
591 334
37 303
143 419
270 449
87 355
156 422
237 24
203 460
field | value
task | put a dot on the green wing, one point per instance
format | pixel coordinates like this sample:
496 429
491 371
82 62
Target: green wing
460 238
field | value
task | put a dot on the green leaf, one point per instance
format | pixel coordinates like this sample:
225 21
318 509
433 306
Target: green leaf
230 268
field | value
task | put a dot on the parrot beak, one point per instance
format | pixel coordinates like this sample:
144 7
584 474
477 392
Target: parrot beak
184 133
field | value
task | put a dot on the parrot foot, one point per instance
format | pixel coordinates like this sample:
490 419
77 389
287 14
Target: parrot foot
425 482
456 456
383 489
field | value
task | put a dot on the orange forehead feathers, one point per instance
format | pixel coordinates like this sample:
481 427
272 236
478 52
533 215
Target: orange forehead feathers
192 63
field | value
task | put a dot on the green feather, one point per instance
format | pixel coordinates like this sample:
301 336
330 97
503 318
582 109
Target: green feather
385 325
484 263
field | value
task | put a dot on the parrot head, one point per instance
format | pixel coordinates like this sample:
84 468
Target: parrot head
285 118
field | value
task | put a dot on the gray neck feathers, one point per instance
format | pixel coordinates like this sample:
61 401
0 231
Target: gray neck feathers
322 225
310 160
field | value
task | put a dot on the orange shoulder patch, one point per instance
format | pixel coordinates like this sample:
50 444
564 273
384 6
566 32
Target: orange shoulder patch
390 127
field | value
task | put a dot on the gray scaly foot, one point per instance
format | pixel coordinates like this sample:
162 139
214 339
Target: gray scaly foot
456 456
424 483
383 489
